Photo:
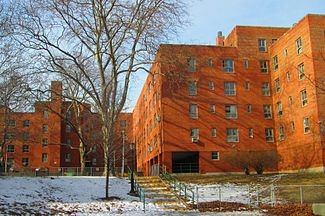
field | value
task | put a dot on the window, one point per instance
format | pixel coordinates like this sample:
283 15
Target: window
155 99
277 85
281 133
275 63
94 149
192 91
191 64
25 148
68 114
274 40
285 52
232 135
67 157
231 111
45 128
123 123
250 133
10 135
212 108
45 114
288 76
279 107
247 85
290 101
25 161
230 88
299 46
210 62
264 68
194 133
193 110
269 135
262 45
68 142
45 142
10 148
11 123
154 79
301 71
267 111
306 125
303 96
211 85
215 155
293 127
25 136
246 63
94 162
249 108
44 157
213 132
266 89
26 123
228 65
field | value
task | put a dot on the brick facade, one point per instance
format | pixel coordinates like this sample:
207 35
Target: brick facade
46 138
200 102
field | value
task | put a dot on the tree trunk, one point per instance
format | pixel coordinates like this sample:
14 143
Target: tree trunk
106 148
82 156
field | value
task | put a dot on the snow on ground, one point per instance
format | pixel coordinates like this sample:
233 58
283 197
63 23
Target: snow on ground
223 192
76 196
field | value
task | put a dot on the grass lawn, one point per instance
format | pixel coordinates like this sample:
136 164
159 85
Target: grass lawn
265 179
287 189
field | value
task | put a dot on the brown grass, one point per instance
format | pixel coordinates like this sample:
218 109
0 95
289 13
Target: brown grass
265 179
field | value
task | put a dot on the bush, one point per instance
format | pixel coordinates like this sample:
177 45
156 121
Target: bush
258 160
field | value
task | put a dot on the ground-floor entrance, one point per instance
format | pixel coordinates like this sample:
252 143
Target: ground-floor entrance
185 162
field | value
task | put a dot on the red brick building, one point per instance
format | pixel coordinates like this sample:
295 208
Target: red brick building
47 138
258 89
255 90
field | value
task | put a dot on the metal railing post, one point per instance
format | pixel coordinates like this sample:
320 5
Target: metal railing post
301 196
257 195
219 189
197 197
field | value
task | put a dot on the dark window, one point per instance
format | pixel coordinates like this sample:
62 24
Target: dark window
10 148
25 148
215 155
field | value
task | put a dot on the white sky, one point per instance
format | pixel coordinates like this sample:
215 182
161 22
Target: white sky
210 16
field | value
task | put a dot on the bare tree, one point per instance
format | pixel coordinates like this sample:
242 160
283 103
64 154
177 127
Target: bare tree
78 115
103 42
13 82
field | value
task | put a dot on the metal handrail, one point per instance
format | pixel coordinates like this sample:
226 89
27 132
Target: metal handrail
180 188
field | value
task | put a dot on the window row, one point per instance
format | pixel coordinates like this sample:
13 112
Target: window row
12 123
231 110
232 134
262 46
227 64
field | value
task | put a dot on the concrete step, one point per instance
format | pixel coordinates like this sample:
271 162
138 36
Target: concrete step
170 202
150 184
158 190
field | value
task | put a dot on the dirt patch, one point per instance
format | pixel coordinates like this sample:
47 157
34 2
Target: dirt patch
289 209
111 198
277 210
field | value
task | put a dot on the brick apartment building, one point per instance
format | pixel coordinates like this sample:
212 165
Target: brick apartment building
46 138
257 89
260 88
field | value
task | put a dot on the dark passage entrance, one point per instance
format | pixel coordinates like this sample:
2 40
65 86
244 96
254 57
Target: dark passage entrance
185 162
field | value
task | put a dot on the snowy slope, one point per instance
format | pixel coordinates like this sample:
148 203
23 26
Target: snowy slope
75 196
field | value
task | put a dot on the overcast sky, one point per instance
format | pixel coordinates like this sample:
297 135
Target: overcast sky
210 16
